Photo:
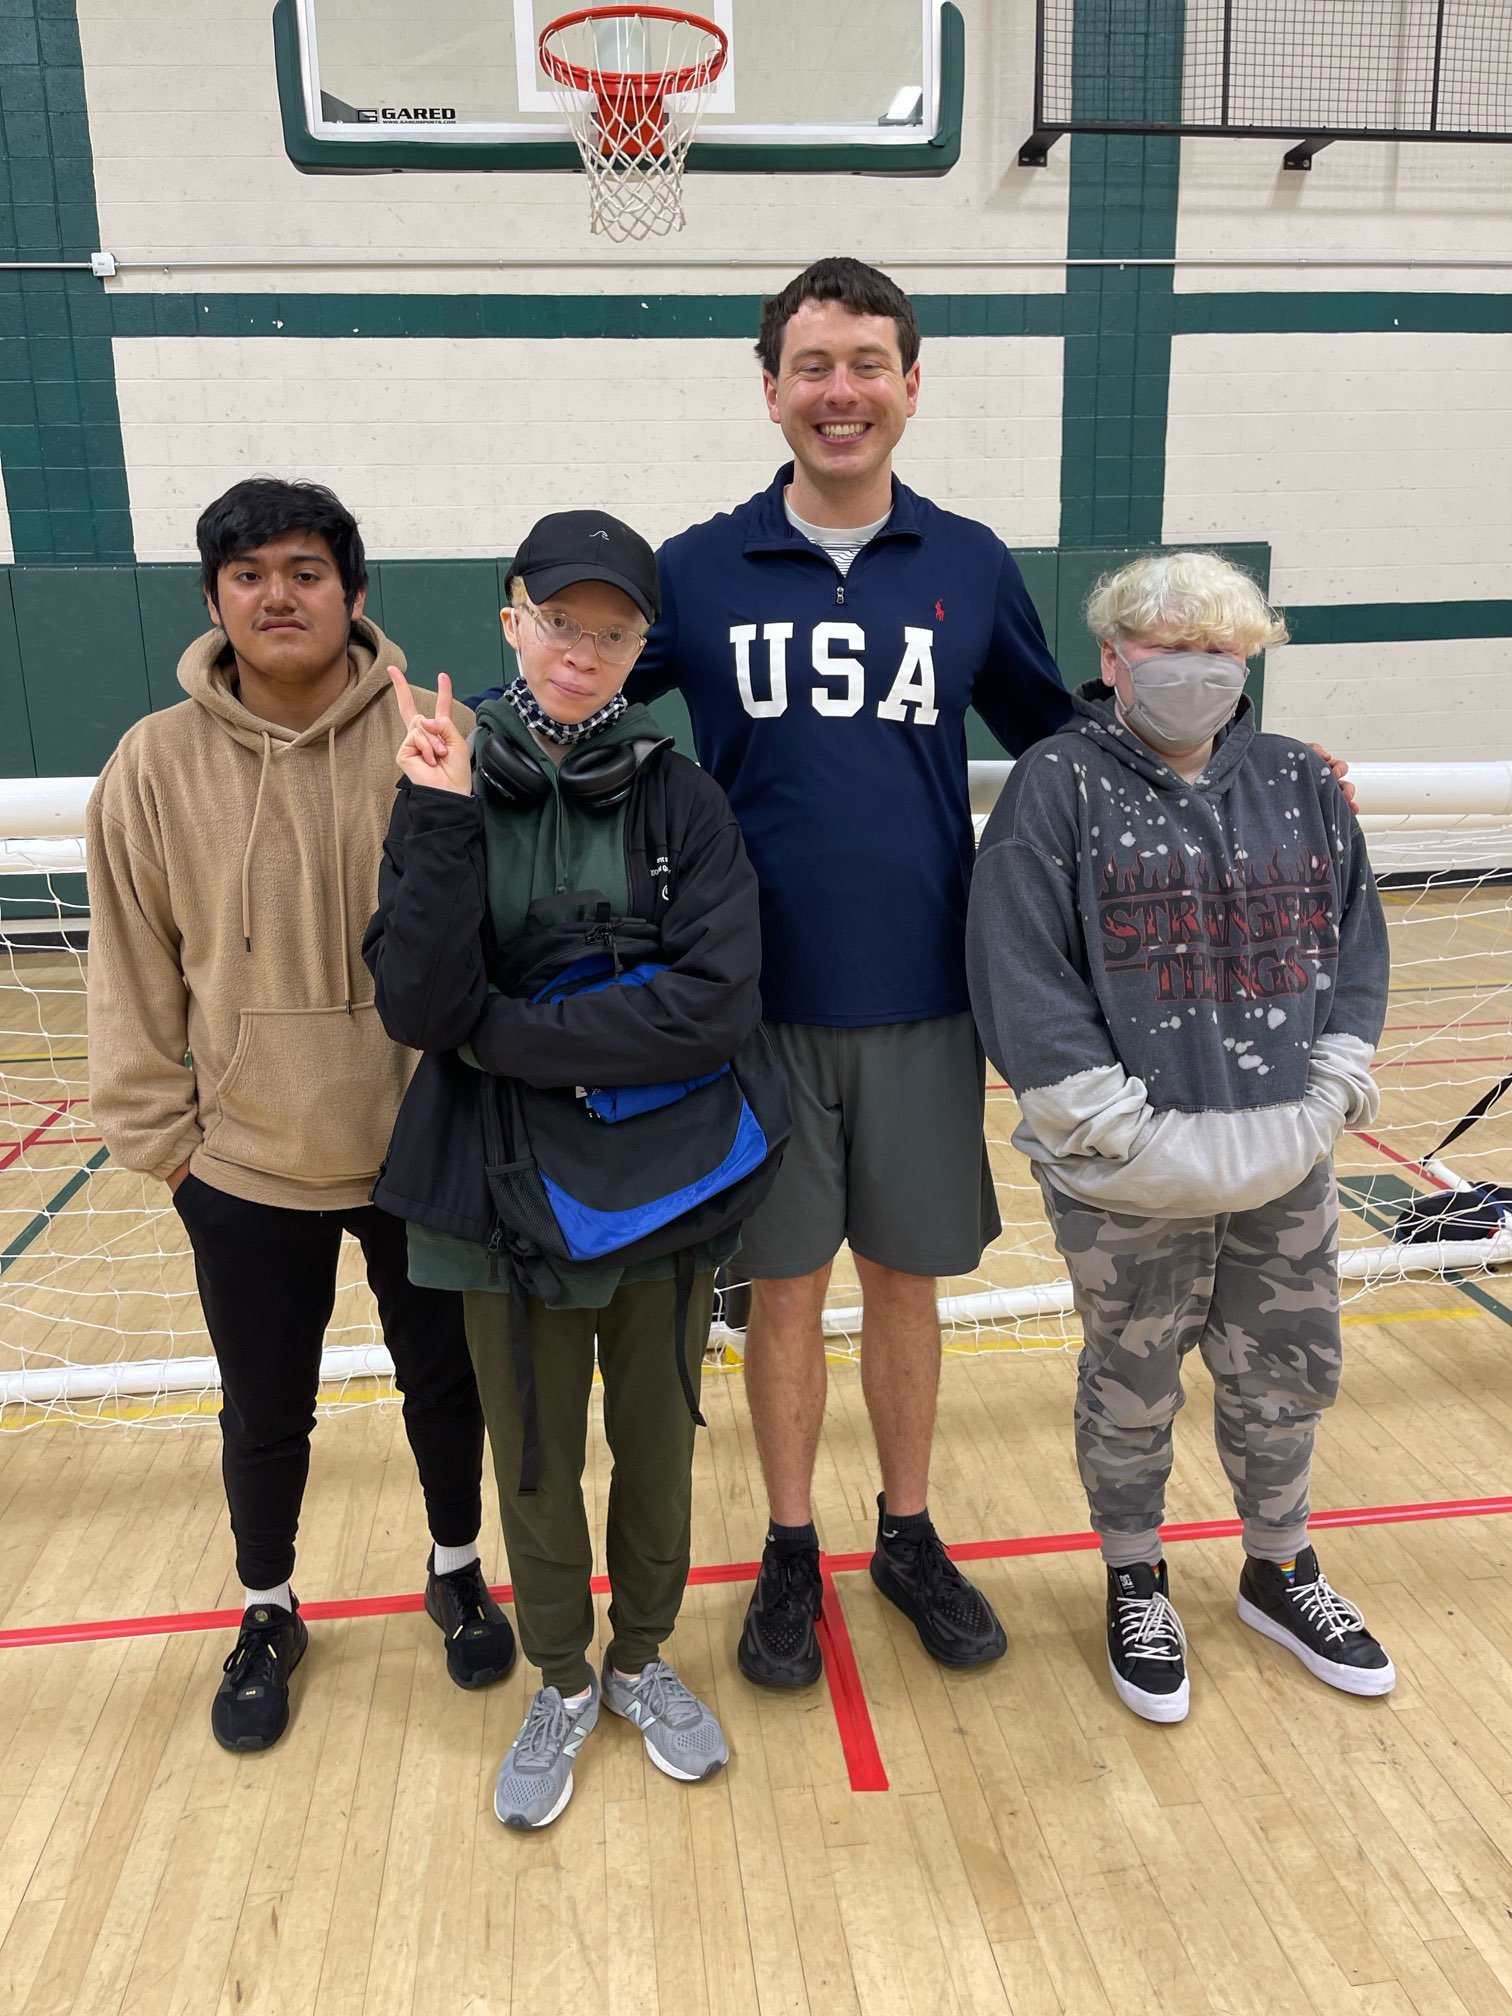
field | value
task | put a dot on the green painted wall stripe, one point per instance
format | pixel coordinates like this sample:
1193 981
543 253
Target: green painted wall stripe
60 428
538 317
1396 622
1117 350
1119 320
1347 313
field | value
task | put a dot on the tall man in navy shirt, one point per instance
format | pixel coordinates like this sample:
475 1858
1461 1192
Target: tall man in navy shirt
828 637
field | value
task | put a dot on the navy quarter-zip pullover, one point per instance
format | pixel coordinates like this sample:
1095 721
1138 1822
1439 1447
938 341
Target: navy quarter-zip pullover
832 710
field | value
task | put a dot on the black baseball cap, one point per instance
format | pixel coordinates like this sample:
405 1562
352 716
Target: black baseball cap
573 546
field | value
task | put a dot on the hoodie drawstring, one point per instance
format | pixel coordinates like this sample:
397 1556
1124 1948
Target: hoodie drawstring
341 909
246 879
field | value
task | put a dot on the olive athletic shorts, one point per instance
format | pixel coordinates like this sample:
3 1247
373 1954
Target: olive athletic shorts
887 1152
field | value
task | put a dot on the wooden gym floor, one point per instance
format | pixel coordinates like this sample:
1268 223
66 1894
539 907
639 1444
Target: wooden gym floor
1036 1849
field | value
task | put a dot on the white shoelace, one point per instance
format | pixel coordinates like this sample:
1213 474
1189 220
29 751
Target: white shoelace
1325 1608
1151 1629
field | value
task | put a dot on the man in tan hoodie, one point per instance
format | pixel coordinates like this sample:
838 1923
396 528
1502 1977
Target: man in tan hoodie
235 1054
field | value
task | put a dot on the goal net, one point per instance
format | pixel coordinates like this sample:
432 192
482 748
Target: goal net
99 1319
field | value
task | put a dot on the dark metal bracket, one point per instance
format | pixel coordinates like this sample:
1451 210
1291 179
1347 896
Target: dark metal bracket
1035 152
1301 156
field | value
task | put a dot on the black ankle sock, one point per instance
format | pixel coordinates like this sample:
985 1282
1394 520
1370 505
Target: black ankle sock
902 1525
793 1539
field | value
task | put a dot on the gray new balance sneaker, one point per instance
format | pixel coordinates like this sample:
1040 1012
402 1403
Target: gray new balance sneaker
535 1779
682 1738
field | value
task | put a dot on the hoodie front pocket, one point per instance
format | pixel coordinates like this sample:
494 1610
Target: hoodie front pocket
310 1094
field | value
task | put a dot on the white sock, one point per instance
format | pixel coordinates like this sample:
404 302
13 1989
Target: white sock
268 1599
449 1559
576 1703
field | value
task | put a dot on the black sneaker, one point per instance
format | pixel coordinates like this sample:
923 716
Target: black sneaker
480 1646
1323 1629
1146 1644
251 1705
958 1625
779 1646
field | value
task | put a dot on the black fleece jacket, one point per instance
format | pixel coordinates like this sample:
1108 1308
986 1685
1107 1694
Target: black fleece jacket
425 948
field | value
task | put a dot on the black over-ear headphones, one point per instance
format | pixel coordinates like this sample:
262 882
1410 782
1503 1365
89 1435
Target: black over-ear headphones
598 778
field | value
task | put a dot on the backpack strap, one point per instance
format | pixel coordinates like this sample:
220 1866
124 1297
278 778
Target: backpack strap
680 1332
524 1365
1478 1111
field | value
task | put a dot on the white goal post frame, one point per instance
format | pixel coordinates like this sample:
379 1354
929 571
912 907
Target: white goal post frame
41 832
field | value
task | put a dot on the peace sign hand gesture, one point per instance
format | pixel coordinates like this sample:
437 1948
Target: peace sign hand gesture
434 751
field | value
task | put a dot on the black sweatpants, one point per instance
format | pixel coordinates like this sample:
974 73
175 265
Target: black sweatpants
267 1284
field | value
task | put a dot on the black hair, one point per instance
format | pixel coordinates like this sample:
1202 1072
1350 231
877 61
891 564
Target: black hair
266 507
858 287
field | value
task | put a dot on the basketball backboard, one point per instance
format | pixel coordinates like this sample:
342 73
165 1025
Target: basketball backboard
810 86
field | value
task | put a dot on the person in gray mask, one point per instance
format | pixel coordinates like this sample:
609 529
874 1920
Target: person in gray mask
1178 960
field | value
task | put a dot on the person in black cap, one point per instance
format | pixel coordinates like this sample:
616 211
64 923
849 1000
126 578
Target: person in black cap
570 808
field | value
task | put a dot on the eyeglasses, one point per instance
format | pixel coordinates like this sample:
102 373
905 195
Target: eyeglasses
615 644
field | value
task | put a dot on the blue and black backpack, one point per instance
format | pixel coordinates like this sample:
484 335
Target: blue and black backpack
618 1174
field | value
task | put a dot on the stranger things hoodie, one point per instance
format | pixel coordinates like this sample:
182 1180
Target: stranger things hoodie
1183 983
233 866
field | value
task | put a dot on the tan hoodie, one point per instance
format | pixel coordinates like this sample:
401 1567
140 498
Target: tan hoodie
233 866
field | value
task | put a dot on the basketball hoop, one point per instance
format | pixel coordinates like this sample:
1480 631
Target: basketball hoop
632 83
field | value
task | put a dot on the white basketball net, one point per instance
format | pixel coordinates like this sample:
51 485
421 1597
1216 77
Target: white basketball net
633 139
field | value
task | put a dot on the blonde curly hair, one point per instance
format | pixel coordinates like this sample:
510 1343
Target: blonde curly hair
1199 599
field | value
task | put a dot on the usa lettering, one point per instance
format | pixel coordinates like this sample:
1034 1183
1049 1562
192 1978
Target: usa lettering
771 664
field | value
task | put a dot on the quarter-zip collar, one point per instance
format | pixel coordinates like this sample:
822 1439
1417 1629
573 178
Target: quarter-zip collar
770 531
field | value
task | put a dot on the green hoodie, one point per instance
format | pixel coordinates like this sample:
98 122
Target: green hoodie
547 849
535 851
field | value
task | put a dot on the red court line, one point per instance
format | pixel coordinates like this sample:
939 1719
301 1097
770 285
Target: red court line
1421 1063
16 1149
1491 1022
89 1631
858 1739
1392 1155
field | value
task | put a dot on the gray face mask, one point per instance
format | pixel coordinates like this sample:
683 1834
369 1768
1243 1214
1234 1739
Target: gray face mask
1180 698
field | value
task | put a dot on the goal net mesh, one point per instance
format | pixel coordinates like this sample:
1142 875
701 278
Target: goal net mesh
99 1319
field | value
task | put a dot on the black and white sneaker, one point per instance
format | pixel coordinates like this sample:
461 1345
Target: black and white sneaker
779 1646
1146 1644
1296 1608
956 1623
251 1706
480 1646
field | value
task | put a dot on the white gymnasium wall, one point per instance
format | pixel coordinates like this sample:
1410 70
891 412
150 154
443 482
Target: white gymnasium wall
1360 200
1445 701
450 448
189 159
1379 466
1375 464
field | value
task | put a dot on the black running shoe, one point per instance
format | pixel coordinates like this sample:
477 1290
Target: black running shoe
480 1646
1296 1608
958 1625
251 1705
1146 1644
779 1646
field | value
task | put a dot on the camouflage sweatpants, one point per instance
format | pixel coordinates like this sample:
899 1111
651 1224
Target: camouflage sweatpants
1258 1293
